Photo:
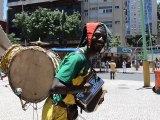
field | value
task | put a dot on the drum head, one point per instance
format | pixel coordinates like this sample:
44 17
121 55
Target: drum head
32 70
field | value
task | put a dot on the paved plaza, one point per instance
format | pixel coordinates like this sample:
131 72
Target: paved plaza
126 100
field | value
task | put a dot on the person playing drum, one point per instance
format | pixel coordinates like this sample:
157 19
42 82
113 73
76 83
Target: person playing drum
61 105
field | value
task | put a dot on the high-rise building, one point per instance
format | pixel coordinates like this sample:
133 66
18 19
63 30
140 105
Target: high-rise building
1 10
134 18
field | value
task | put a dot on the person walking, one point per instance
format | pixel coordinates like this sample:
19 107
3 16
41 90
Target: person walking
124 66
112 69
158 64
71 74
106 66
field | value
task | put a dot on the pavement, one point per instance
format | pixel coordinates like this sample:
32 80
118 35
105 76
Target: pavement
125 100
129 70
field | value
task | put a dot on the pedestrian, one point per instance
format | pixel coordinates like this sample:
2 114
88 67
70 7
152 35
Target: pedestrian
61 105
124 66
107 66
1 77
158 64
112 69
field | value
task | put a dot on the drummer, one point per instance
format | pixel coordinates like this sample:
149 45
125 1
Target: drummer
61 105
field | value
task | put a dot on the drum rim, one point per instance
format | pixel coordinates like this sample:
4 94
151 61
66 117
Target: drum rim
7 52
11 84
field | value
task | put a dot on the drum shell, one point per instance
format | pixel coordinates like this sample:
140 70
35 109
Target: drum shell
32 69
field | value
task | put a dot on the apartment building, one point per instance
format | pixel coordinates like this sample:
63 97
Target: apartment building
134 18
110 12
1 10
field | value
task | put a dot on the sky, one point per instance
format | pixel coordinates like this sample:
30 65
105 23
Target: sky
5 8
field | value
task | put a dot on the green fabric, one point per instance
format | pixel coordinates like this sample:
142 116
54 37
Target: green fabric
70 68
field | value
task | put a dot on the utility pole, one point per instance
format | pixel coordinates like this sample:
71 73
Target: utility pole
22 6
146 72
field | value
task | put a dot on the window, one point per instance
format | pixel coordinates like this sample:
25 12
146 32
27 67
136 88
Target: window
116 7
107 0
85 13
106 10
117 22
108 24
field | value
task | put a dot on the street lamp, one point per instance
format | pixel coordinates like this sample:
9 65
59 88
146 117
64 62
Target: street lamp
62 40
22 5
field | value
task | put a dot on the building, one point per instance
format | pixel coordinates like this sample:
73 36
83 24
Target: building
121 16
2 22
17 6
134 18
1 10
110 12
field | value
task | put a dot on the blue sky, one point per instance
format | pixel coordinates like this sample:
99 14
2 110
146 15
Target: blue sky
5 8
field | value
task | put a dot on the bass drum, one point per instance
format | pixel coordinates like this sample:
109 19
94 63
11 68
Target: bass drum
31 72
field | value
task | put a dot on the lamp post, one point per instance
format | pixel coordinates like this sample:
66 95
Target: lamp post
146 73
62 40
22 5
124 22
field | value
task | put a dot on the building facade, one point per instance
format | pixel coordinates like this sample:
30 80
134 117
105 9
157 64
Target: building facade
110 12
1 10
134 18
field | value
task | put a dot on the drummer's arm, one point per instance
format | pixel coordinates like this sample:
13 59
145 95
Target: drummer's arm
60 88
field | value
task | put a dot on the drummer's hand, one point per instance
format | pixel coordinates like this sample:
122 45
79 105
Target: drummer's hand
88 87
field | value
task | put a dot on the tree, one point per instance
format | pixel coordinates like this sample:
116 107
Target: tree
115 42
22 22
13 39
73 25
45 23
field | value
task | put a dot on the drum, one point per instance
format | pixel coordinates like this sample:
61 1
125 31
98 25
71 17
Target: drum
31 71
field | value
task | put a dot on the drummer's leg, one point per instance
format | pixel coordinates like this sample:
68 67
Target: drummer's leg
52 112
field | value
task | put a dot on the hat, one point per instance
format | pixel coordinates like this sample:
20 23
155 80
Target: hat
89 30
